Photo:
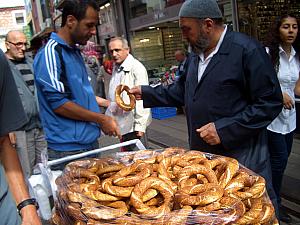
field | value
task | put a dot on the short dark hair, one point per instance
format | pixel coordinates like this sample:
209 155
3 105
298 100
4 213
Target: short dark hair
76 8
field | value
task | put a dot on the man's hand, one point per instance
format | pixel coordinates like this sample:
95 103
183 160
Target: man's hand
102 101
209 134
110 127
288 102
30 216
140 133
137 91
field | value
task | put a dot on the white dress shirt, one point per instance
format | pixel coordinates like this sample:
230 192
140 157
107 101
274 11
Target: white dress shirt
288 75
204 62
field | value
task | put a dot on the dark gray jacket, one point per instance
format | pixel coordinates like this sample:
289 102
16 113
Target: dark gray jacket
29 101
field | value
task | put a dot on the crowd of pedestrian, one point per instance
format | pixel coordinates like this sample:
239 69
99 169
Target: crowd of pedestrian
238 96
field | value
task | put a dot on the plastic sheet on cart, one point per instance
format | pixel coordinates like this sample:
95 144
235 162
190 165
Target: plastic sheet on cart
164 186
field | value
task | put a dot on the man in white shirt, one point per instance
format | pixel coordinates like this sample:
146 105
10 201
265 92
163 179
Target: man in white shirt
128 71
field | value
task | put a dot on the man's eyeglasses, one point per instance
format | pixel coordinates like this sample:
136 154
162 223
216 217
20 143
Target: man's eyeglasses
19 44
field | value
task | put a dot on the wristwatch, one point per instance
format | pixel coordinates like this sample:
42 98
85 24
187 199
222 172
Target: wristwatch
26 202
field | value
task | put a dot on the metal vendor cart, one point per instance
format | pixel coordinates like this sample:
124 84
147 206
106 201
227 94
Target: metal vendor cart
43 187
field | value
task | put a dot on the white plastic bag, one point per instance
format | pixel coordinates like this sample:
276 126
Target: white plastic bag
123 118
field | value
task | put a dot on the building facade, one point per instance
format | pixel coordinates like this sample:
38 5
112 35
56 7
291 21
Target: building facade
152 28
12 17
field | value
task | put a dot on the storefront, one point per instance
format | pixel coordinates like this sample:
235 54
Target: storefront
256 17
155 34
107 24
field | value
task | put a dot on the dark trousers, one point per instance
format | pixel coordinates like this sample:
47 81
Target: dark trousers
53 154
280 147
132 136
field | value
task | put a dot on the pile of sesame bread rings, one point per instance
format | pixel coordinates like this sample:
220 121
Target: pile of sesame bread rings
170 187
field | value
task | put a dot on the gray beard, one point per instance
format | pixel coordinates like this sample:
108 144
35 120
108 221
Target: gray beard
200 46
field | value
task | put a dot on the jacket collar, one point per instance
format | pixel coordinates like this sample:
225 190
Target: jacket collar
224 50
61 41
127 64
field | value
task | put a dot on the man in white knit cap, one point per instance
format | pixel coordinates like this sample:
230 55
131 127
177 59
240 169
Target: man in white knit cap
230 90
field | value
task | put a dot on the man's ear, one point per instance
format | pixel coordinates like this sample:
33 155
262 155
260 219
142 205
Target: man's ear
71 21
208 22
7 45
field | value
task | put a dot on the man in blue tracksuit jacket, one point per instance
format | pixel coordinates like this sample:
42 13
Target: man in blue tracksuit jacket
68 107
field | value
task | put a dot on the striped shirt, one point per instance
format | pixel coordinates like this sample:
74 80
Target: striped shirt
25 70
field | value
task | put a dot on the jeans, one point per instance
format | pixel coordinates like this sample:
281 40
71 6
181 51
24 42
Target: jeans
29 145
280 146
53 154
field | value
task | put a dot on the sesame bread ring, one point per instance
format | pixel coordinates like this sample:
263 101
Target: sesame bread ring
169 152
156 201
87 164
228 168
99 196
126 107
179 217
237 182
148 156
149 194
253 212
164 168
109 211
106 168
266 215
194 169
226 209
147 211
254 187
82 199
92 180
124 177
199 195
74 210
115 190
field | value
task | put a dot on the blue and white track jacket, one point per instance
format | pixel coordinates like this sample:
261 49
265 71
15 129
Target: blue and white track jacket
61 76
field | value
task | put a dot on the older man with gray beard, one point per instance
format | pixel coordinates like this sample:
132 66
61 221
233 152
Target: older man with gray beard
230 90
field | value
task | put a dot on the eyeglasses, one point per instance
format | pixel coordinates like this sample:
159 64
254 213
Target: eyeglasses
19 44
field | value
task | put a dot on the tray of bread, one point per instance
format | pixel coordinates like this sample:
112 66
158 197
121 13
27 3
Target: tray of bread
171 186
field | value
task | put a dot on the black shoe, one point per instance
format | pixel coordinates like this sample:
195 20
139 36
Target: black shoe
284 216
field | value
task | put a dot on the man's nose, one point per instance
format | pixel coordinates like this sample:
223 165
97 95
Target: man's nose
94 31
114 53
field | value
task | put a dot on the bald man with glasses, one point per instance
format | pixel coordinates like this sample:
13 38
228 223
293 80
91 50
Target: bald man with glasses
28 140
